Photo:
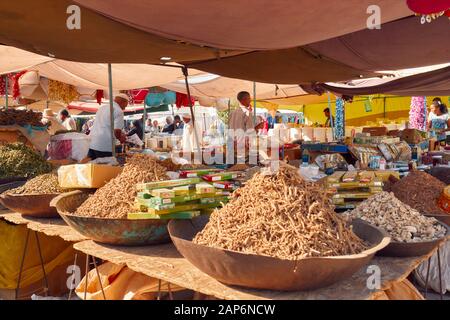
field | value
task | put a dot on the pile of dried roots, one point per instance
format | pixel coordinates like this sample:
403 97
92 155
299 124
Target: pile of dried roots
116 198
282 216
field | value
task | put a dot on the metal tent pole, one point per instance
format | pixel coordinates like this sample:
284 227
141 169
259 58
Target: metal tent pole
144 119
188 91
254 102
6 92
111 110
331 116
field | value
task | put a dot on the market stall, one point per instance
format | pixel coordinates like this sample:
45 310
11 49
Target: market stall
312 212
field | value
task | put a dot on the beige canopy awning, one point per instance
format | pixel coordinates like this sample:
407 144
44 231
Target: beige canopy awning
89 75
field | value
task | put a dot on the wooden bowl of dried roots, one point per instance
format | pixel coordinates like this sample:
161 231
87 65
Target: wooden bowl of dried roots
264 272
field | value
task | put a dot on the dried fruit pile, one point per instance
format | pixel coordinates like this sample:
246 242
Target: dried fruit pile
420 191
43 184
400 221
18 160
116 198
280 216
20 117
59 91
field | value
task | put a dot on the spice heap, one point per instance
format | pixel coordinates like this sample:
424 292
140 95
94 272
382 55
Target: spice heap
403 223
20 117
420 191
280 216
43 184
116 198
18 160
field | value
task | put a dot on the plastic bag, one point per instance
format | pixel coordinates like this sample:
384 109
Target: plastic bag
70 145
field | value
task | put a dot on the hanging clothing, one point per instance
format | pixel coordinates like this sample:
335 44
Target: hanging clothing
417 113
182 100
339 125
99 96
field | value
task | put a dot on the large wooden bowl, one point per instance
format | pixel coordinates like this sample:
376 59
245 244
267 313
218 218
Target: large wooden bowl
34 205
262 272
122 232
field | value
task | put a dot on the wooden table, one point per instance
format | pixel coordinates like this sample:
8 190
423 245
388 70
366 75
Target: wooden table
53 227
165 263
50 227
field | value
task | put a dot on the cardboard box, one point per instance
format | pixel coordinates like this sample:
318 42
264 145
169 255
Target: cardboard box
376 131
86 175
412 136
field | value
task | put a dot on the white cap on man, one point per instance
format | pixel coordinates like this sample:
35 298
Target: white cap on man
123 96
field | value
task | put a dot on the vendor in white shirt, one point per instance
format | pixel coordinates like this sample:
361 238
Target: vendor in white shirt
189 141
67 121
101 144
241 118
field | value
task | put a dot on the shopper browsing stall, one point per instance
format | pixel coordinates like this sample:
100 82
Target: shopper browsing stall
329 117
136 128
178 123
101 145
169 127
189 141
67 121
438 118
49 119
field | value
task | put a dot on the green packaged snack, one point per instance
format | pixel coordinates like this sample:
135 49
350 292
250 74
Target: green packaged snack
167 184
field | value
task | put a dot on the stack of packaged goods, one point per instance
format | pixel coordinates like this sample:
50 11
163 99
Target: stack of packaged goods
349 188
177 199
226 181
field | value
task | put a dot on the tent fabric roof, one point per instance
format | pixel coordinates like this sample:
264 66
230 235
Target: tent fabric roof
103 39
222 87
250 24
287 66
397 45
40 26
436 82
394 46
89 75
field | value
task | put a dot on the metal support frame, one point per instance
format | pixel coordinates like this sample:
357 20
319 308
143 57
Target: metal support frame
439 274
254 102
188 91
6 92
111 110
86 276
144 119
22 262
